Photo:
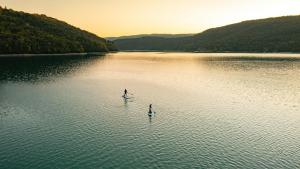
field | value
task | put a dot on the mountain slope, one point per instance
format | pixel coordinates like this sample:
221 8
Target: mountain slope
31 33
149 35
281 34
152 43
266 35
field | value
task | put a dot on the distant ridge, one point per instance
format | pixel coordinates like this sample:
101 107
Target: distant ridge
280 34
150 35
24 33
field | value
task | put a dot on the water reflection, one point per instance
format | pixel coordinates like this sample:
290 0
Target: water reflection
169 56
224 107
45 68
150 119
256 57
151 116
250 65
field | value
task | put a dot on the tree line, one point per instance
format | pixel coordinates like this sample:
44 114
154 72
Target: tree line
34 34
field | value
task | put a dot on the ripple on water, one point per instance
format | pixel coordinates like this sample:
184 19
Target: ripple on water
213 111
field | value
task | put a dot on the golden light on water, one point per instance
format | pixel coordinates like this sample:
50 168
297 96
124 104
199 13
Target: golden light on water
127 17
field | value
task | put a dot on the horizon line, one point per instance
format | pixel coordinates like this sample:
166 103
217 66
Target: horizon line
147 34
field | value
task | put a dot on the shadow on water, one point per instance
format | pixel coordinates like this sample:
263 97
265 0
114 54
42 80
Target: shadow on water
249 63
43 68
252 58
125 103
151 116
150 119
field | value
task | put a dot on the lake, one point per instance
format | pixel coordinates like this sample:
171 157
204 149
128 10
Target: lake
212 111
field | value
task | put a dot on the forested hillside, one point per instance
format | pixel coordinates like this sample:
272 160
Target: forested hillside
34 34
281 34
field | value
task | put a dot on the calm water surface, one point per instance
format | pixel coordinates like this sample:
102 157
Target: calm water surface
213 111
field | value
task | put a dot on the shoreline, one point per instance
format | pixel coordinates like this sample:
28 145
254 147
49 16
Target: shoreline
174 51
142 51
54 54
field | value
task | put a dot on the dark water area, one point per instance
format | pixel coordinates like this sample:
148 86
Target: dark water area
212 111
36 68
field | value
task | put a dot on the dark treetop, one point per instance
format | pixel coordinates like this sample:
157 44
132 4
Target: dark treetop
23 33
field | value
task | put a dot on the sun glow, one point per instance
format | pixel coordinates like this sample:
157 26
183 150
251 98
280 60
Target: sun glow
127 17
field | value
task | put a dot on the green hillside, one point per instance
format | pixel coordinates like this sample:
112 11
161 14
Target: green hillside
35 34
280 34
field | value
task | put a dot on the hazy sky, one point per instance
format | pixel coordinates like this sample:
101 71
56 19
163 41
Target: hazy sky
127 17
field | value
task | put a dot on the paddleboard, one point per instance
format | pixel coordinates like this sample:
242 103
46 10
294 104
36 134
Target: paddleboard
151 113
127 97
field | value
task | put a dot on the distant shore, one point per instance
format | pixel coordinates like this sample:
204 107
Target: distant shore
235 52
55 54
166 51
